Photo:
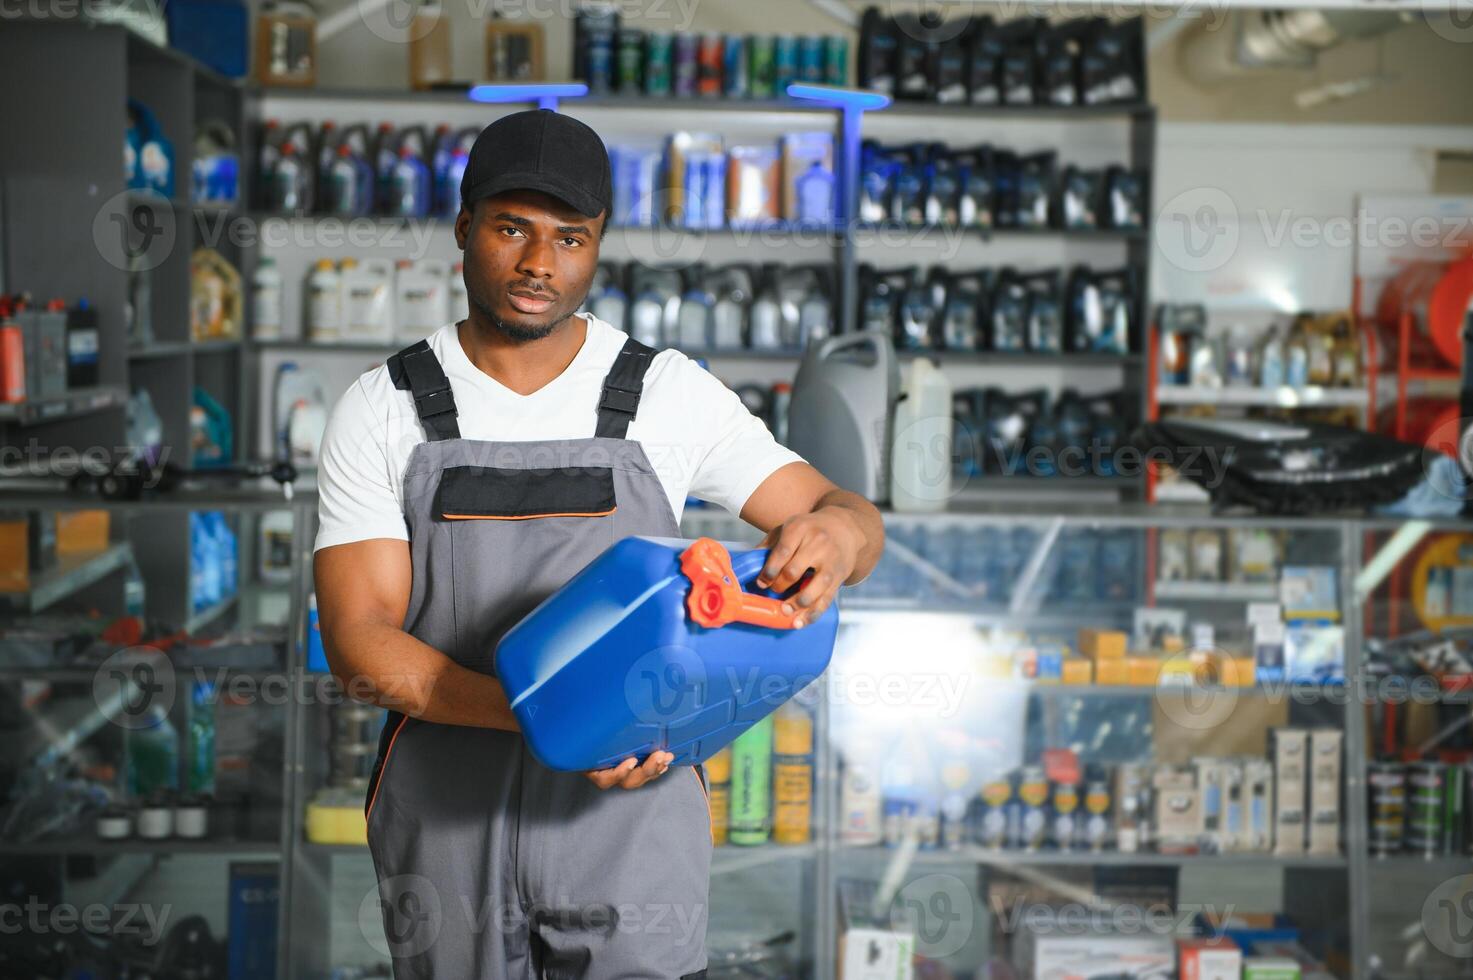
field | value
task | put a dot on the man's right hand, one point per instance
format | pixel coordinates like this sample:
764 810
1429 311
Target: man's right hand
629 774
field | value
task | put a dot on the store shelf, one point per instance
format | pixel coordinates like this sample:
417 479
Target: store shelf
1435 864
1080 234
72 573
151 198
1218 591
1002 859
731 858
179 348
1284 396
81 401
250 495
88 844
199 620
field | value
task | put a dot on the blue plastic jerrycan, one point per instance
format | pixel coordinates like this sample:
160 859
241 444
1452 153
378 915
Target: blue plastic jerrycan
656 644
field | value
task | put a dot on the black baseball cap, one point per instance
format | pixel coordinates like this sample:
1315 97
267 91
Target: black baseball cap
540 150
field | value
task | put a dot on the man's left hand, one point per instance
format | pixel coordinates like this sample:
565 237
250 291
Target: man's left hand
828 541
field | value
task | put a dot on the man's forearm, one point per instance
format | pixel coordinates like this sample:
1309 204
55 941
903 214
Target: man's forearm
871 526
392 669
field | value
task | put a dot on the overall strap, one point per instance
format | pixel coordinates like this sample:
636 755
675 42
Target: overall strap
620 400
416 369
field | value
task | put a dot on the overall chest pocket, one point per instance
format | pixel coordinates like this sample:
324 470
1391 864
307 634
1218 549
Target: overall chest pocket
488 493
516 536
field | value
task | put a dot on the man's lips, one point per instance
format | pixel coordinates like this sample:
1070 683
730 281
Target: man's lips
527 301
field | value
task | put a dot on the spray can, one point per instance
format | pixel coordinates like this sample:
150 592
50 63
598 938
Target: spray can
687 65
836 60
718 790
1097 814
657 54
1426 784
760 66
992 823
751 776
810 58
708 66
1387 783
784 63
629 61
1066 818
734 67
792 774
1032 823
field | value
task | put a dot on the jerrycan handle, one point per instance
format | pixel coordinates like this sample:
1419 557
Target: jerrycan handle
716 596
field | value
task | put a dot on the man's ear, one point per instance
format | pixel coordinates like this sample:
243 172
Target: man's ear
463 226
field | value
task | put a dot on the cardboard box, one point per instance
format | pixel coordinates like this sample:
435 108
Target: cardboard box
1178 825
1142 671
1077 670
1270 968
870 948
1099 644
1077 957
80 532
1233 836
1208 959
1290 751
1209 788
1324 791
1236 671
1111 671
1258 806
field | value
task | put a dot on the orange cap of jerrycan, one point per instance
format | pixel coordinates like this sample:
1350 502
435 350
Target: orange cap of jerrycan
716 597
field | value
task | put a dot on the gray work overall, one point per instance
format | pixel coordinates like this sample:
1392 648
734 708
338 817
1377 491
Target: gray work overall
490 865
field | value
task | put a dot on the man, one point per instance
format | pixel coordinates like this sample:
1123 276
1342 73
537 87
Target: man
462 483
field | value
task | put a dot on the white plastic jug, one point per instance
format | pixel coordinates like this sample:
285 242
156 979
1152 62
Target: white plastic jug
920 458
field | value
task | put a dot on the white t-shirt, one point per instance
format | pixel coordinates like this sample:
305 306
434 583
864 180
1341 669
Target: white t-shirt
699 437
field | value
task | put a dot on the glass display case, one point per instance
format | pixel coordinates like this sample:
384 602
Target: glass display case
1416 615
143 655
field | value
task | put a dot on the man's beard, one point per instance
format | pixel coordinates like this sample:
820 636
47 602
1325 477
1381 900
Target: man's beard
520 332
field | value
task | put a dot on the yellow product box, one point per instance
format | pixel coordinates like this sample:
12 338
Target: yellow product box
1102 644
1111 671
1175 670
1236 671
995 666
1077 670
1142 671
80 532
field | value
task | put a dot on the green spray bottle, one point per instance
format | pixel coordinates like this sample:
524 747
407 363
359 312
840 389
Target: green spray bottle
751 785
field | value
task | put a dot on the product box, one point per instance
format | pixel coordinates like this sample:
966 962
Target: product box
870 948
1076 670
1290 748
1233 835
1131 797
1268 652
1076 957
1209 785
1158 629
1314 653
43 333
1258 806
1270 968
1142 671
1178 825
1111 670
81 532
1309 592
1235 671
1324 791
27 547
800 153
1200 958
255 894
1097 644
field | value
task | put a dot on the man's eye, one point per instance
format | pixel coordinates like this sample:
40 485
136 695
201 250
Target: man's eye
511 231
572 242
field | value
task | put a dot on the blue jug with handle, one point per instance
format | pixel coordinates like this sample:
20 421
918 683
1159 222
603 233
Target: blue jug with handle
659 643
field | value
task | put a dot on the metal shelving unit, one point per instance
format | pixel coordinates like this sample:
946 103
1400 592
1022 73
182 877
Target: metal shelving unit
71 574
